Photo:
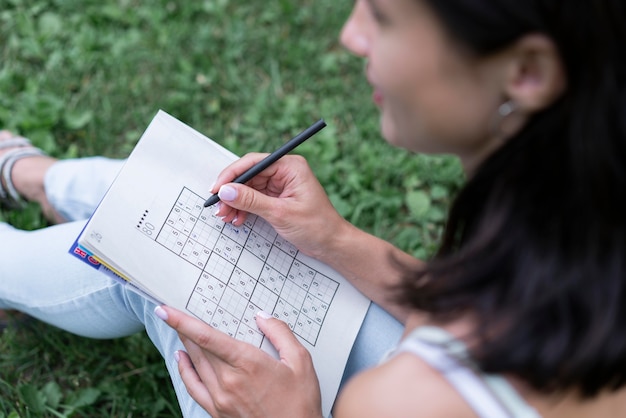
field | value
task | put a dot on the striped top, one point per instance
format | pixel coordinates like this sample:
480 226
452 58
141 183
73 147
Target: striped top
490 396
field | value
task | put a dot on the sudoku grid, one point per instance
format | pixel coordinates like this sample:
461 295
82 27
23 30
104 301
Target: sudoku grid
243 270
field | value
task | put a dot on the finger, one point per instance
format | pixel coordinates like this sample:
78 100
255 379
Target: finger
290 349
240 219
194 384
224 212
247 199
208 338
228 214
203 362
237 168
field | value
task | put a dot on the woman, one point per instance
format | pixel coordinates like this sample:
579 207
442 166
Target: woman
520 312
528 284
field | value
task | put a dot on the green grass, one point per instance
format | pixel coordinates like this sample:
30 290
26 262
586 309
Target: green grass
85 77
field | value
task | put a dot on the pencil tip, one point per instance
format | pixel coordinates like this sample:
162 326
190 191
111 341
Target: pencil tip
211 200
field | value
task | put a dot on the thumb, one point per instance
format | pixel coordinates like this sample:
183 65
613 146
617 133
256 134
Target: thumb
290 350
244 198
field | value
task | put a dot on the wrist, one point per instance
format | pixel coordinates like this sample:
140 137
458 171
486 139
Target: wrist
341 240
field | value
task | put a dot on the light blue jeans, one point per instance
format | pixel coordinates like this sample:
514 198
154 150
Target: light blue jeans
38 276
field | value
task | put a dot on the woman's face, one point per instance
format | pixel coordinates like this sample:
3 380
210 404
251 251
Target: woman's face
433 97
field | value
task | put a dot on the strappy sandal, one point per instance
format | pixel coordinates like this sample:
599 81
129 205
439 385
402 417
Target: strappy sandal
22 148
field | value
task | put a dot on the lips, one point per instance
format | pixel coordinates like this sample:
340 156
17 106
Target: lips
377 97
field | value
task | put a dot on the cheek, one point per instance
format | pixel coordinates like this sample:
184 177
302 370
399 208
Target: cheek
441 122
429 104
400 124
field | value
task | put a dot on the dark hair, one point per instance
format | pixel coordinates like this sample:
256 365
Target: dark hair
535 245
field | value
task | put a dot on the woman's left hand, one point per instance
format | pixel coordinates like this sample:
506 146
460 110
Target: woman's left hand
231 378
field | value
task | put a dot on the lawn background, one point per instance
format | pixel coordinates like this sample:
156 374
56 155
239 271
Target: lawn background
85 77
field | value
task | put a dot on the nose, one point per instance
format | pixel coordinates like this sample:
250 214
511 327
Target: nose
353 34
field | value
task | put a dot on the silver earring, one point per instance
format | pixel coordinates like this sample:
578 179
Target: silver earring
505 110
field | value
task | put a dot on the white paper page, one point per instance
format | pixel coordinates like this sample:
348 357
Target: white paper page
152 227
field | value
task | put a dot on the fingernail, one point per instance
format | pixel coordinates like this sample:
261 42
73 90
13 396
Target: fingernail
218 206
227 193
211 187
160 312
263 315
177 356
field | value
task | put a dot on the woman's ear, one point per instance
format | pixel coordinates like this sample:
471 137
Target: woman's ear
535 76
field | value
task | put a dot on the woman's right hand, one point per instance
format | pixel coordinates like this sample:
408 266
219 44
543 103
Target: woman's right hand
287 195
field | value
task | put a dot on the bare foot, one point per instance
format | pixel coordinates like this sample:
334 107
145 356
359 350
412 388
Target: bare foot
27 175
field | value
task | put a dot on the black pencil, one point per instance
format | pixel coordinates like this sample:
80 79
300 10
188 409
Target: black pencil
273 157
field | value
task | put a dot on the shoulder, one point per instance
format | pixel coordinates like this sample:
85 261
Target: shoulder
406 387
